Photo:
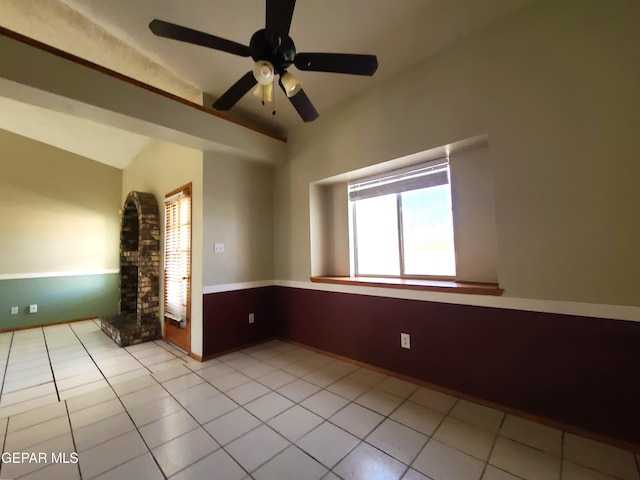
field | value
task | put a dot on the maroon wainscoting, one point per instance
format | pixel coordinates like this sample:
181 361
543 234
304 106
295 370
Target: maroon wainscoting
226 319
579 371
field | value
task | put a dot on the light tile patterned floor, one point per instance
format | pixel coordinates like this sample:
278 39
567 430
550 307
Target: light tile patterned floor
270 412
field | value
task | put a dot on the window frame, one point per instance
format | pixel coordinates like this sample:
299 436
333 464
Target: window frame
399 215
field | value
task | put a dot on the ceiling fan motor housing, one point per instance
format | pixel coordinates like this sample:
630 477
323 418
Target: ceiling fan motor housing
279 50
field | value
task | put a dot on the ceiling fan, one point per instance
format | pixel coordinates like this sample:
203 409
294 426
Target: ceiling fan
273 51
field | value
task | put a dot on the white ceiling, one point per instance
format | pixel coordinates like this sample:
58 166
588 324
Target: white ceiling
399 32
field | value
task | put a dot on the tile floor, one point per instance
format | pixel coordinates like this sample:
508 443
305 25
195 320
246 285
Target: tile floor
270 412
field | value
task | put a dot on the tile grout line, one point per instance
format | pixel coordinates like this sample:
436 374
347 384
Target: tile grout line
497 436
590 467
96 363
73 438
53 375
123 406
388 417
324 420
327 420
202 426
242 406
294 403
448 415
4 441
493 445
532 447
78 342
384 418
130 460
321 388
127 412
88 353
562 454
409 465
262 423
6 367
148 367
519 442
429 437
435 430
518 477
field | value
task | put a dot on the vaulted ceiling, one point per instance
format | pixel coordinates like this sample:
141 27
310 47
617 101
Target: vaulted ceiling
399 32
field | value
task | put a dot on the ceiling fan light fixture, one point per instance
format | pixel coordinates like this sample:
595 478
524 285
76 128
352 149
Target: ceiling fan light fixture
290 83
264 92
263 72
273 51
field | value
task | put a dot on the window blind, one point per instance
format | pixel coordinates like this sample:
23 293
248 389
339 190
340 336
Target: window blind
177 255
431 174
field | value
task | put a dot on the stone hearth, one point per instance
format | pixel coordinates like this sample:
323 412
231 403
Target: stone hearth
139 317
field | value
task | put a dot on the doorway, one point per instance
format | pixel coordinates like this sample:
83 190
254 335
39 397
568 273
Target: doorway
177 268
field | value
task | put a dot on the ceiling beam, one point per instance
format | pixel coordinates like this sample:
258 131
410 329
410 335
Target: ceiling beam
34 73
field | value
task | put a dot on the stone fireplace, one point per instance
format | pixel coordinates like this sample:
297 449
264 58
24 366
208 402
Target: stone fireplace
139 317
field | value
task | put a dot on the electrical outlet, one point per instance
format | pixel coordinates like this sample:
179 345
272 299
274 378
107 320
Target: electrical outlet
251 318
14 310
33 308
218 247
405 340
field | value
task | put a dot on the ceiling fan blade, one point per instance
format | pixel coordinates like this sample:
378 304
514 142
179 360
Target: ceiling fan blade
279 15
236 92
183 34
303 105
350 63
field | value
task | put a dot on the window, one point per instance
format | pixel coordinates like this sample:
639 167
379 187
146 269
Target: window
402 223
177 266
431 226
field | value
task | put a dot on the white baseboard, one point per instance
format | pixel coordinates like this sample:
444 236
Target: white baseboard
596 310
69 273
230 287
616 312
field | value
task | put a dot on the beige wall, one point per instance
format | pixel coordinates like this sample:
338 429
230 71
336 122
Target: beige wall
283 224
161 168
54 23
474 215
555 88
238 212
59 210
329 229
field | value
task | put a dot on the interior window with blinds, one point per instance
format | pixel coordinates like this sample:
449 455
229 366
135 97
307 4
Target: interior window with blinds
402 223
177 255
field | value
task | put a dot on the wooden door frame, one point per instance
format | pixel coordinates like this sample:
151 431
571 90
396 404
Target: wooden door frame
188 189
